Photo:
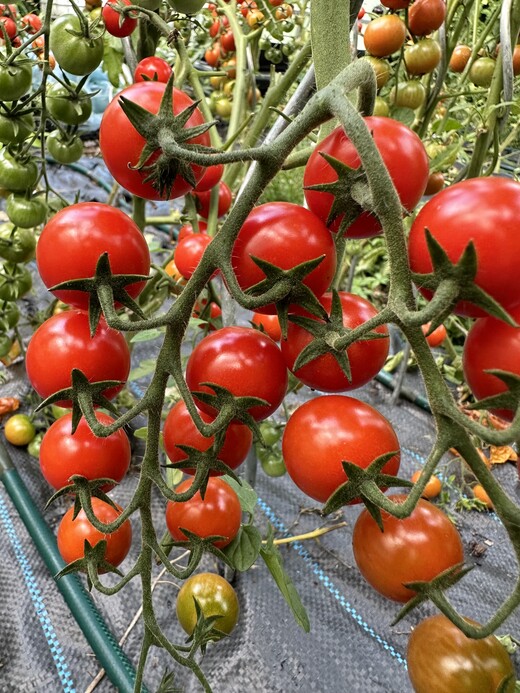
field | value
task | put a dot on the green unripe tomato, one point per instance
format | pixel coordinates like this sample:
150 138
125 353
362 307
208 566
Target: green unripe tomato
17 175
62 151
481 72
15 79
215 596
5 344
15 129
74 53
16 244
66 107
381 107
34 446
9 314
25 212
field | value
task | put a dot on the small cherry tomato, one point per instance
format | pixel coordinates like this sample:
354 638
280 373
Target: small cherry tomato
215 596
19 430
435 338
433 486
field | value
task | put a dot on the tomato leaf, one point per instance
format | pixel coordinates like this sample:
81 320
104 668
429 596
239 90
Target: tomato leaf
246 494
143 369
112 59
245 547
147 335
403 115
273 561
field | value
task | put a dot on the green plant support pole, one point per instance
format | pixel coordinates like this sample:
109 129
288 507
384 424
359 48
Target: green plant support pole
111 657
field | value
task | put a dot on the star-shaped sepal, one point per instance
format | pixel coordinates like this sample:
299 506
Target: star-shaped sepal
291 286
326 337
205 631
504 400
350 191
80 487
102 280
361 482
460 275
83 393
433 588
154 128
93 563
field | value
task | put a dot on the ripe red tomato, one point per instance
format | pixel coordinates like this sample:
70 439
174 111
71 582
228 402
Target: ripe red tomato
82 233
215 596
188 230
207 314
396 4
189 251
482 210
435 183
117 24
227 41
385 35
179 429
270 325
211 177
435 338
224 201
417 548
153 69
244 361
219 514
324 431
441 658
285 235
63 453
366 358
121 144
63 342
72 534
403 154
491 344
31 23
10 27
425 16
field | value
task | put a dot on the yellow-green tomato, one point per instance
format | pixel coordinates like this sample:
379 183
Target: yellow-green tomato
19 430
215 596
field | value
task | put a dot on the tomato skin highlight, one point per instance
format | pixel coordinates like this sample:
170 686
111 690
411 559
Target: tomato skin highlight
366 358
402 152
82 233
326 430
72 534
218 514
441 659
285 235
482 210
179 429
63 342
122 145
244 361
63 453
417 548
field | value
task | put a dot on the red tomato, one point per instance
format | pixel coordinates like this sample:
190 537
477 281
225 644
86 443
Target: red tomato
425 16
224 201
435 338
417 548
117 24
491 344
396 4
10 27
227 41
121 144
72 534
152 68
188 230
179 429
270 325
403 154
324 431
82 233
244 361
63 342
63 453
211 177
247 6
366 358
441 659
208 314
189 251
285 235
219 514
31 23
482 210
385 35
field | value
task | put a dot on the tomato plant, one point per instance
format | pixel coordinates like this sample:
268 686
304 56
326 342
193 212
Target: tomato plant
414 549
82 233
401 150
324 431
245 362
73 533
441 659
366 358
63 453
218 514
121 144
63 342
179 429
482 211
215 596
285 235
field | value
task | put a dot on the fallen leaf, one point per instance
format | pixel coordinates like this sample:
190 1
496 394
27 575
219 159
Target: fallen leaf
504 453
8 404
